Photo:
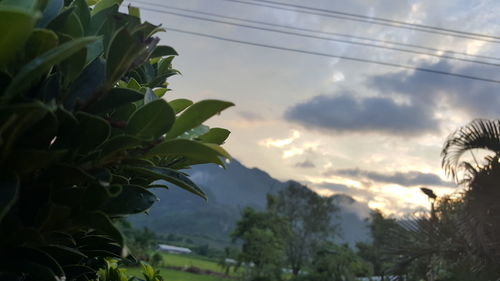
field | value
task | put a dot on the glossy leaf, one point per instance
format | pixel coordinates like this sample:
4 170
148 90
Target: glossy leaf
115 98
9 192
149 96
39 42
50 12
202 153
104 4
180 104
16 26
215 135
151 120
119 143
93 131
163 51
195 115
87 84
171 176
132 200
102 223
33 70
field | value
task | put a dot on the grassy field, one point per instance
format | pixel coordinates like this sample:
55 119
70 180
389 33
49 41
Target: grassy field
174 275
173 260
189 260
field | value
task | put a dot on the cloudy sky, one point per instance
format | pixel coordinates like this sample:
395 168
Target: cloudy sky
374 132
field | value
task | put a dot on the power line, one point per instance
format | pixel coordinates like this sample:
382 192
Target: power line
379 19
319 37
369 20
408 67
321 32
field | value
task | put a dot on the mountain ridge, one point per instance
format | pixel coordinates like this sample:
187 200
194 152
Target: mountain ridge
229 191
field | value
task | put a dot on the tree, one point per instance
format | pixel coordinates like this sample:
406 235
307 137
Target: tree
481 209
86 130
310 219
263 235
381 230
336 263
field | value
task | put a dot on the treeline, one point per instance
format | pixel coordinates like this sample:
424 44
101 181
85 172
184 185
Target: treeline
457 240
294 237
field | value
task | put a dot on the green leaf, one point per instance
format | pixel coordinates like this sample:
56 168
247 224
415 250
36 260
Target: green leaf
26 5
149 96
64 254
93 131
15 120
9 192
163 51
171 176
122 52
119 143
165 66
180 104
89 82
152 120
83 12
215 135
195 115
102 223
36 68
159 92
50 12
39 42
134 11
76 270
132 200
103 4
22 160
40 257
115 98
16 26
200 152
133 84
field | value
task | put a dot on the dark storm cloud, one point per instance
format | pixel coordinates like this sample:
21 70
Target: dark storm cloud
473 97
346 113
305 164
411 178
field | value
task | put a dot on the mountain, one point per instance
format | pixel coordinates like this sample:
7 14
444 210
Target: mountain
229 191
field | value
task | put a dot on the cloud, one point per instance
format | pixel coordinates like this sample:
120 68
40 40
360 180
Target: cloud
250 116
473 97
305 164
280 143
346 113
411 178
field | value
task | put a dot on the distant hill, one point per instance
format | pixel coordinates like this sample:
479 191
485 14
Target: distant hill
229 191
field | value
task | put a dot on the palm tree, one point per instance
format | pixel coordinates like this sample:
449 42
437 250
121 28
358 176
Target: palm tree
481 220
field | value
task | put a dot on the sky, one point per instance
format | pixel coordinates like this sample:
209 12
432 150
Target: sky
370 131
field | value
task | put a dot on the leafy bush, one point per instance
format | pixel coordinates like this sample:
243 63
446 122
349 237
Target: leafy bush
85 133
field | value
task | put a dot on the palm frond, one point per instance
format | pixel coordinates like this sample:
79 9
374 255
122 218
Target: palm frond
478 134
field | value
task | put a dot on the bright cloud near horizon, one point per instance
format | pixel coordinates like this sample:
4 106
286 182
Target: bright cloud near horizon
370 131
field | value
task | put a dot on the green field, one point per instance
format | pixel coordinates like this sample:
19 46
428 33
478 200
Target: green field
189 260
174 275
170 260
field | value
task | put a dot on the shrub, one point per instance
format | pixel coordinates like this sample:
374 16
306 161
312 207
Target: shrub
85 133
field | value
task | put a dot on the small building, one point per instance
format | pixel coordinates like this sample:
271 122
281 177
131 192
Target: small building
174 249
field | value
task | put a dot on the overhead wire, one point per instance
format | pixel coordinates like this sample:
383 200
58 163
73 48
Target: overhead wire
327 13
320 37
408 67
349 36
377 19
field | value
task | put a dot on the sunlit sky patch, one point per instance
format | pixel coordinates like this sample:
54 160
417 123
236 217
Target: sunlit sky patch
370 131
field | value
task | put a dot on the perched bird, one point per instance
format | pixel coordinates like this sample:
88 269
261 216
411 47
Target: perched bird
428 192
